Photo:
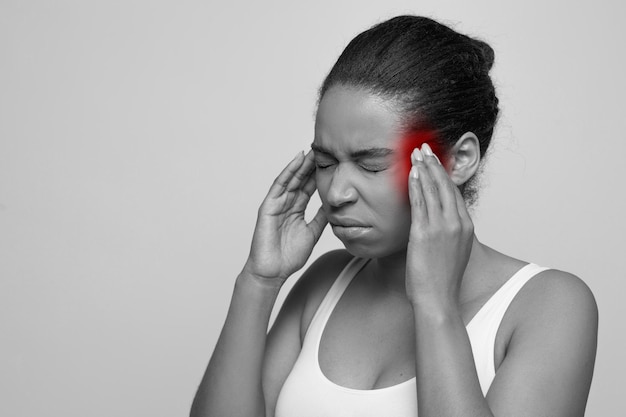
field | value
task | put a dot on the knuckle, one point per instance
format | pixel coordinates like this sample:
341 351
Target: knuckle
419 234
417 202
432 188
454 227
300 175
436 229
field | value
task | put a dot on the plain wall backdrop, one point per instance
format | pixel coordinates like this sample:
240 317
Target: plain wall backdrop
137 139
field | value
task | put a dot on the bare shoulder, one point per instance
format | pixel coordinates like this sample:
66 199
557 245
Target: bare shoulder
550 355
556 309
315 282
559 295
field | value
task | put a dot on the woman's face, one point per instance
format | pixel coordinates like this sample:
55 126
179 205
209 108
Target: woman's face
360 175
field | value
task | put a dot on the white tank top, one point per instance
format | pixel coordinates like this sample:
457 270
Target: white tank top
308 393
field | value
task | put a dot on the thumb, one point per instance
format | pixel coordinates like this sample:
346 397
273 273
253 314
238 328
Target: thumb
318 223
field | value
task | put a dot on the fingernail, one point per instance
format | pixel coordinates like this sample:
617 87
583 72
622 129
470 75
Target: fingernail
299 154
437 158
414 173
426 149
417 155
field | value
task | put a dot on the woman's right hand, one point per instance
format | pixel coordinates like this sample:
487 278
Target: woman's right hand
283 240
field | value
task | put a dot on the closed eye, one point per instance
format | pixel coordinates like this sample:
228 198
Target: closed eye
323 165
366 167
373 168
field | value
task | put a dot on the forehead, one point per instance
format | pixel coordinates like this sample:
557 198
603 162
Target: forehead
349 119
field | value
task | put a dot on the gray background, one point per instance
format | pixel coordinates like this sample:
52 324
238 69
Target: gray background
138 138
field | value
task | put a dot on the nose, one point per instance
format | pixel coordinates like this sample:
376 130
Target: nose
341 190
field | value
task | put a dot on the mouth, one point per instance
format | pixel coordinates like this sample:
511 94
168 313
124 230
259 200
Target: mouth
347 224
349 229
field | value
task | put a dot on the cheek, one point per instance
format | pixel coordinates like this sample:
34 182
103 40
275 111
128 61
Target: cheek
404 148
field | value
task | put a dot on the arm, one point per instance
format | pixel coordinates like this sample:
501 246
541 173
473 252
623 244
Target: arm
439 247
549 362
281 244
231 385
548 367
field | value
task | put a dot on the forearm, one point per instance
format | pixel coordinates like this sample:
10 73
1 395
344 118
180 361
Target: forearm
447 382
231 385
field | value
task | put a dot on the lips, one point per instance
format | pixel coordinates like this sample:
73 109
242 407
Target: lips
345 222
349 229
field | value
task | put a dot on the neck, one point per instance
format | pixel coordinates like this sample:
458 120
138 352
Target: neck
390 271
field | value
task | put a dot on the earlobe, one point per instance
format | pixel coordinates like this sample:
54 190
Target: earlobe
464 158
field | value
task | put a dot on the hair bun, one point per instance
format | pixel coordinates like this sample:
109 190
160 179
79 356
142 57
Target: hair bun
486 53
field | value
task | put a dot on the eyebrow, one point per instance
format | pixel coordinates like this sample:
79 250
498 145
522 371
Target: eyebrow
361 153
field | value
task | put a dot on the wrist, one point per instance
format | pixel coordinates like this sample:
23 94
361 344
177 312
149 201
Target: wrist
438 309
257 283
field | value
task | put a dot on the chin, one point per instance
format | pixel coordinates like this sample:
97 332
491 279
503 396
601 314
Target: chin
372 251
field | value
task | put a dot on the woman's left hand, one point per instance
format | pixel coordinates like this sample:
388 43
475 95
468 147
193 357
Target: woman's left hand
441 236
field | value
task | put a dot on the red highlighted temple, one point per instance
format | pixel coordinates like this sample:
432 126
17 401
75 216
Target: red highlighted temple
406 144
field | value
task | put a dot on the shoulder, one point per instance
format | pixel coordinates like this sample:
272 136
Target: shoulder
312 286
555 293
550 356
554 304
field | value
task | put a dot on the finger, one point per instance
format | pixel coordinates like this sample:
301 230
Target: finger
283 179
419 213
303 173
318 223
304 195
461 206
310 186
444 184
430 190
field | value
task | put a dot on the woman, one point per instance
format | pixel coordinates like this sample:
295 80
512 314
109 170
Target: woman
415 316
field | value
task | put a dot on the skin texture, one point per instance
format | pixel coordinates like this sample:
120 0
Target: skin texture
405 313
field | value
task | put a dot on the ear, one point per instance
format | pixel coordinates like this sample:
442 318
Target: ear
463 159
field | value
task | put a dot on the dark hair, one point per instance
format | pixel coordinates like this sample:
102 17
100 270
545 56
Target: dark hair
439 77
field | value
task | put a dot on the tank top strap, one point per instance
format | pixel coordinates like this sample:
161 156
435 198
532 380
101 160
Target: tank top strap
483 327
497 305
332 297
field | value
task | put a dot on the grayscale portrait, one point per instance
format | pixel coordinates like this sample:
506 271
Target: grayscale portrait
289 209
